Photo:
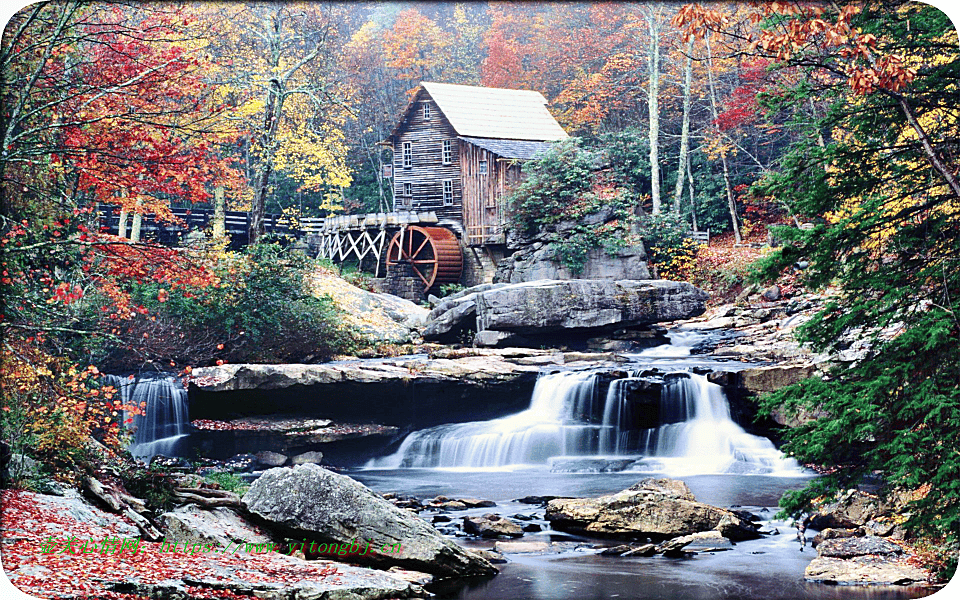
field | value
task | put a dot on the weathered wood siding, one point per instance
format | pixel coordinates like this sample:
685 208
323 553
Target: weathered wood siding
484 195
427 171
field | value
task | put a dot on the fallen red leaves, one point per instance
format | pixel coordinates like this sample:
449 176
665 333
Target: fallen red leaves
28 519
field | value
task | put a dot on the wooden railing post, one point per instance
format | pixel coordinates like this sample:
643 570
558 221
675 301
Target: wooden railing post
219 214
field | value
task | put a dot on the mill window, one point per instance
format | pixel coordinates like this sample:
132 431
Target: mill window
447 152
447 192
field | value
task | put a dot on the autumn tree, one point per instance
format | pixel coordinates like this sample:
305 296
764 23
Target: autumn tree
99 105
275 65
384 62
877 172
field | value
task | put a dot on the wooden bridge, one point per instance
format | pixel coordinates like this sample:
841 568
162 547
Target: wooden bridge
236 224
431 253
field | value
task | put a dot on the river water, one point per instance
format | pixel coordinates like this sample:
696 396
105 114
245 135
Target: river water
573 429
569 426
770 568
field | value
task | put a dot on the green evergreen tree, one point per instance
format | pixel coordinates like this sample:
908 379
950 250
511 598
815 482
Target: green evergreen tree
877 176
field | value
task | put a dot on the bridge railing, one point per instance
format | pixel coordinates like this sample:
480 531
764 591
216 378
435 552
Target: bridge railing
236 223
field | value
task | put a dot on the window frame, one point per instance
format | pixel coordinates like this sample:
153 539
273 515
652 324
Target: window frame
446 152
406 155
427 111
483 168
447 192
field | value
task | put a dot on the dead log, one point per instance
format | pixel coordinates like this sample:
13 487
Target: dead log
207 502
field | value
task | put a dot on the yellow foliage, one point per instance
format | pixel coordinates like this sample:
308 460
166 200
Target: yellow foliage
50 407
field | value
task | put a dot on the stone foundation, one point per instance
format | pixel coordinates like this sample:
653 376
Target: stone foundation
402 281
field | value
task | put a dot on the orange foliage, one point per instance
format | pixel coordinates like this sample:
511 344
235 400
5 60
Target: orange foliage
812 29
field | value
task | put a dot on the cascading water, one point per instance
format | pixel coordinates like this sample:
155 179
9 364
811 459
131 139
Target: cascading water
552 426
698 435
567 418
164 424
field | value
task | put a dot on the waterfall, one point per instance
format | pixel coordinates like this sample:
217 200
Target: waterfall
566 417
164 424
698 435
552 426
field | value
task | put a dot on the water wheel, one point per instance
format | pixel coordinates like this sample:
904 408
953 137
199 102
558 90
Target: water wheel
432 252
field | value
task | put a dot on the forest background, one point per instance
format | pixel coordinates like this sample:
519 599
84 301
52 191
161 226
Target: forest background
729 117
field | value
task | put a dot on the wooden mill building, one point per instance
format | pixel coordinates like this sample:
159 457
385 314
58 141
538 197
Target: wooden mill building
457 154
458 150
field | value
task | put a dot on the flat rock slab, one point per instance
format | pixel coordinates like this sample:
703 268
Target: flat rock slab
467 366
468 370
220 525
342 581
848 547
863 570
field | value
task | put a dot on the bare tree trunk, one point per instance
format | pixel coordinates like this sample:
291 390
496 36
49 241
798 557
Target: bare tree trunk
653 108
693 204
731 203
685 129
219 214
268 149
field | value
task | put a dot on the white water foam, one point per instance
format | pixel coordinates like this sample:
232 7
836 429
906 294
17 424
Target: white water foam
165 419
566 418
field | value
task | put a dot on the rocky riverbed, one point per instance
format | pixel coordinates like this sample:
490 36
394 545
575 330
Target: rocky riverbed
275 542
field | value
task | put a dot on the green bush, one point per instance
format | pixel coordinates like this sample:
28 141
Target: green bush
563 186
555 181
260 311
228 482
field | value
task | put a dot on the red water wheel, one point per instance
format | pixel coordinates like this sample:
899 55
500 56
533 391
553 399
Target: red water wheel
432 252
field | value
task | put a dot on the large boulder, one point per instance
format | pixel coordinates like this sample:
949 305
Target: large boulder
851 509
308 501
654 508
505 313
586 305
381 318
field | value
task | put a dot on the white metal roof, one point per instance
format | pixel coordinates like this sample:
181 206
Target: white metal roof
495 112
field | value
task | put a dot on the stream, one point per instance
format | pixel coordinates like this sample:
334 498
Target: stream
578 438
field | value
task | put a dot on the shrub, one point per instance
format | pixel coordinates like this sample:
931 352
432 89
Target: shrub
259 310
229 482
564 187
671 252
555 180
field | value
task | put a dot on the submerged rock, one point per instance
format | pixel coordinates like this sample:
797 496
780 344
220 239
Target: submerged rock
656 508
308 501
492 526
589 465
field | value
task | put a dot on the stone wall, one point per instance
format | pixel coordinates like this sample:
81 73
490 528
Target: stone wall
402 281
